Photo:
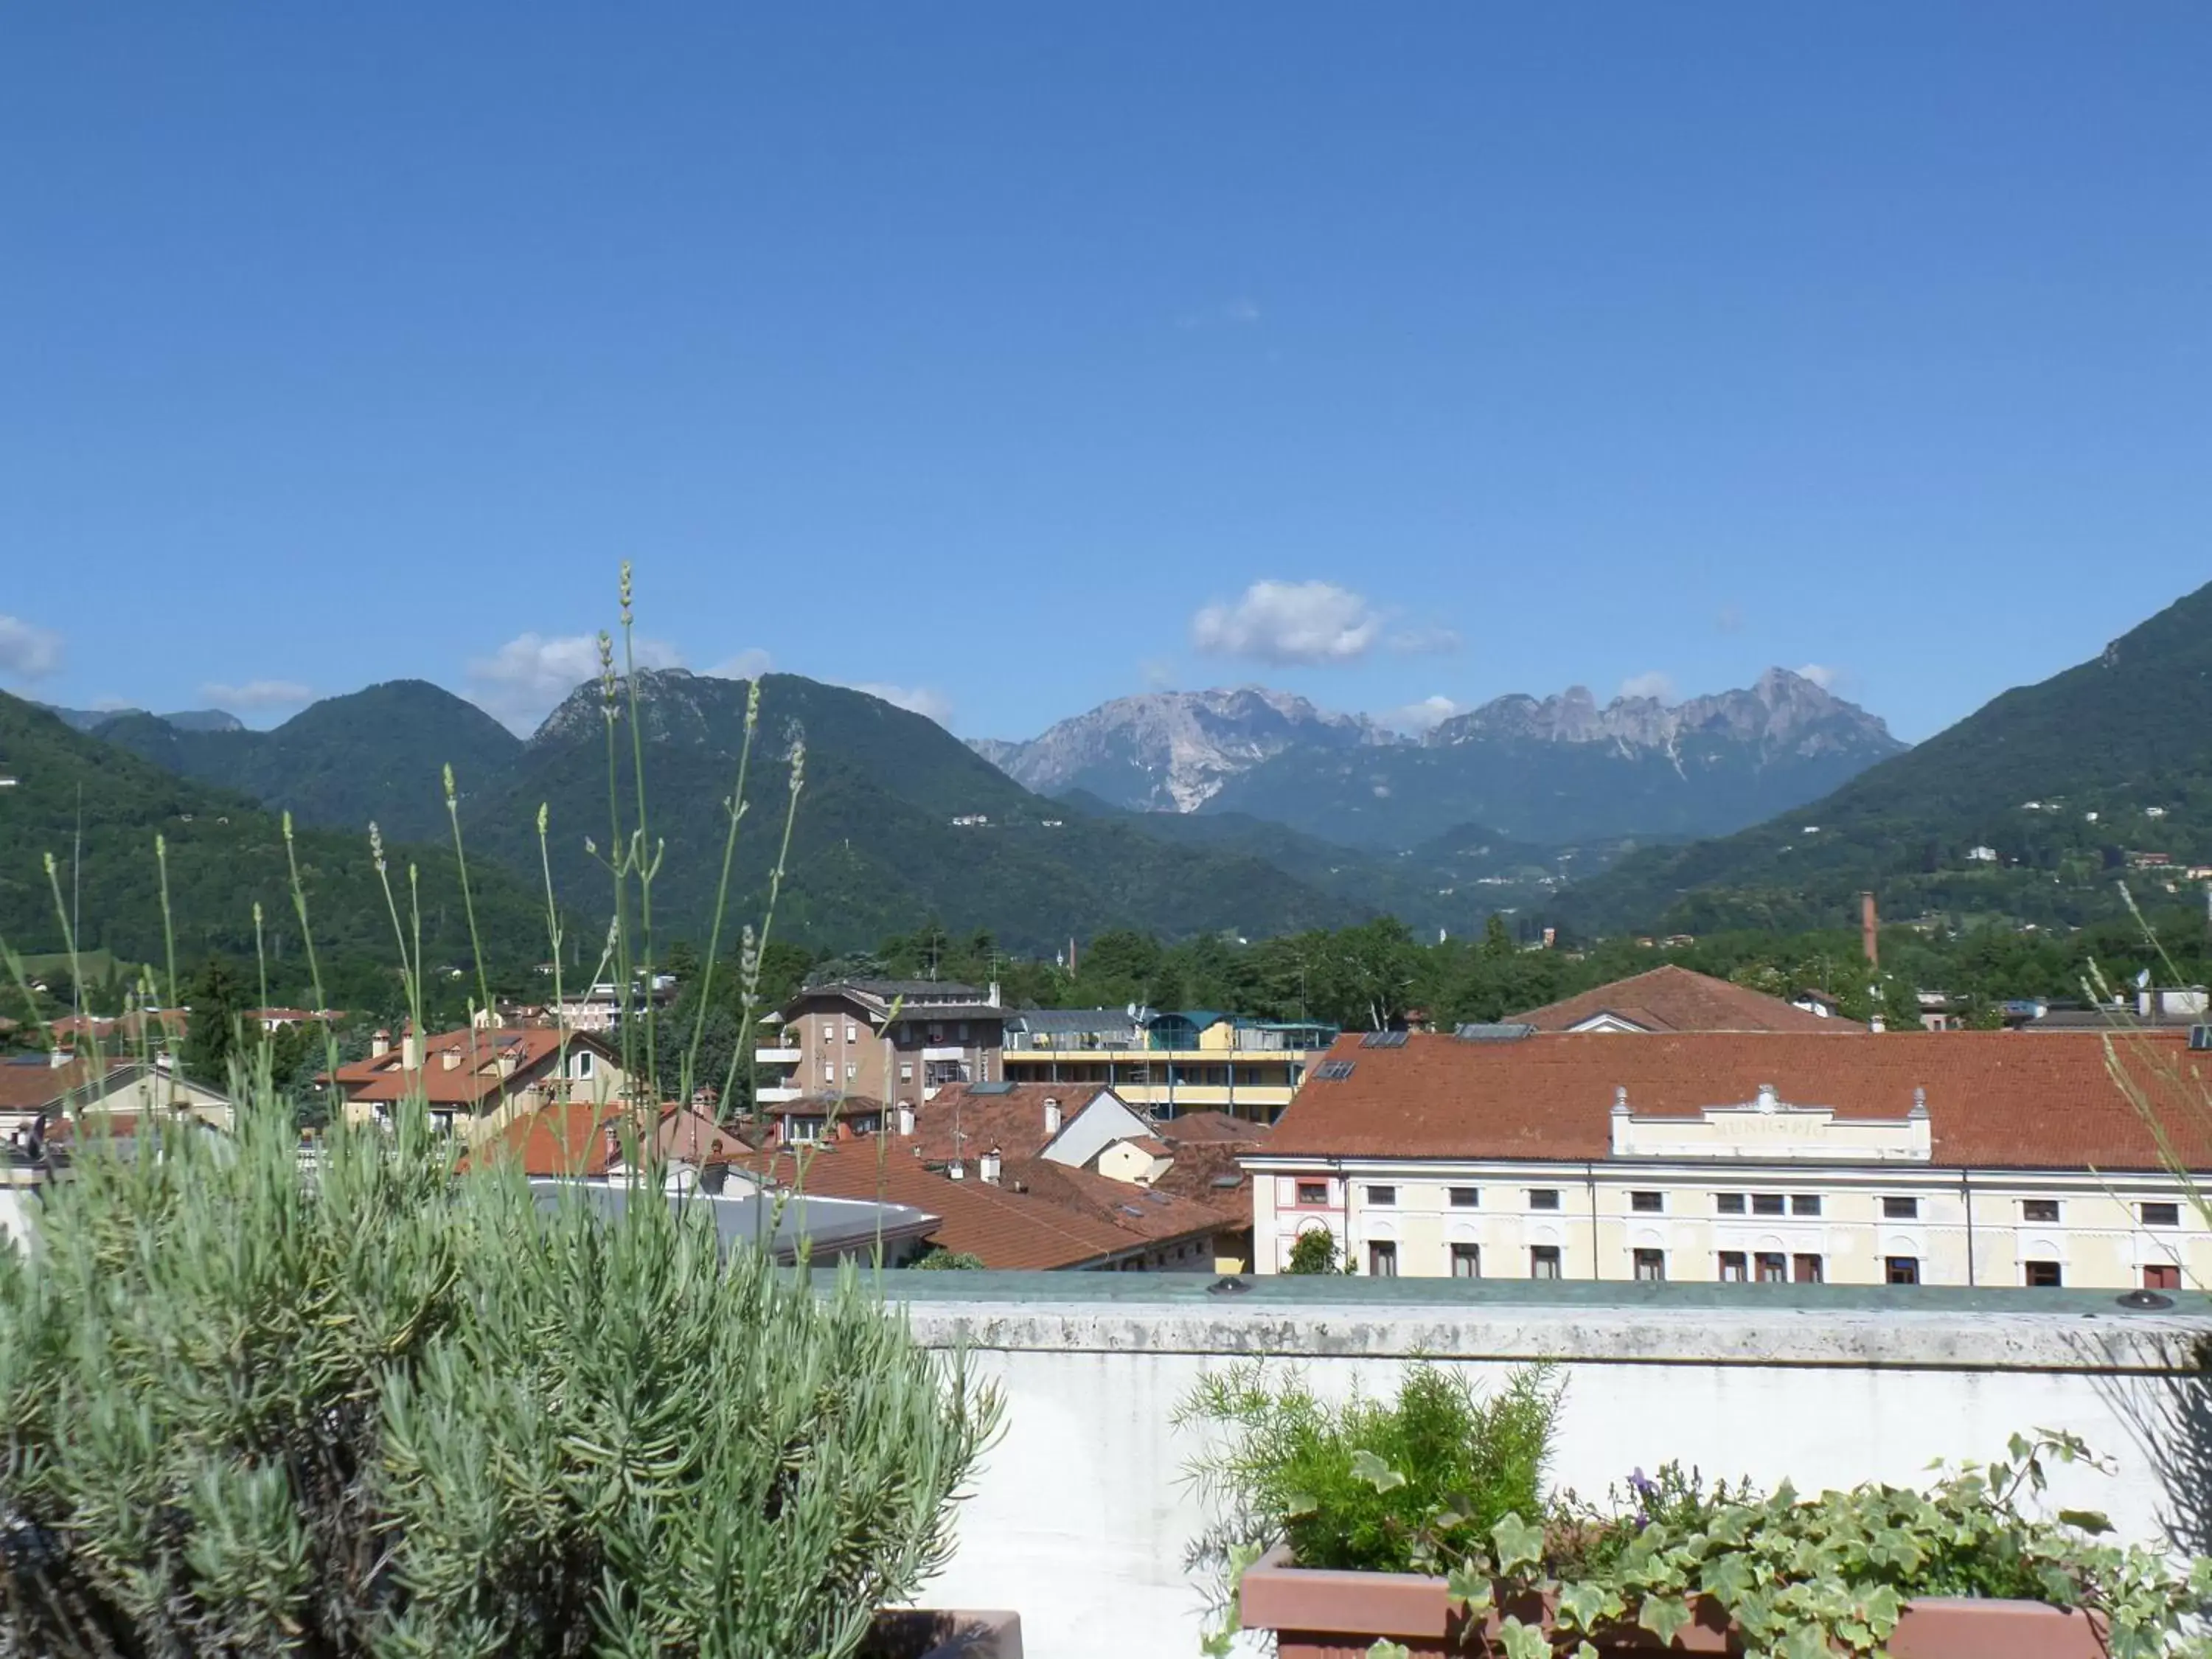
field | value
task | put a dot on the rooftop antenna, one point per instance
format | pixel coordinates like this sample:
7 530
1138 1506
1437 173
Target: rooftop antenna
77 895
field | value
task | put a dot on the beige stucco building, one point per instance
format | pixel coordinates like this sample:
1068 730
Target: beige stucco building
1958 1159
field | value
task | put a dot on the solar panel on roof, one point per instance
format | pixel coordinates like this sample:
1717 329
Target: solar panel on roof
1131 1209
1505 1033
1383 1039
990 1088
1156 1198
1226 1182
1333 1070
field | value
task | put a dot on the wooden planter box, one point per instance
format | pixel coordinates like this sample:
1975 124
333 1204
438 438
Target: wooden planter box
926 1633
1337 1615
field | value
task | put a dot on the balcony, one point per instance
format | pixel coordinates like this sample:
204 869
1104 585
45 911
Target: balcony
766 1055
777 1096
1829 1385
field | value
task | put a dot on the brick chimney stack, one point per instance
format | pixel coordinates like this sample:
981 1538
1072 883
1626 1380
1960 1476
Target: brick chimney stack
1869 930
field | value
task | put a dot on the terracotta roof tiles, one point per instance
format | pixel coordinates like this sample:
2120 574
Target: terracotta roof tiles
1672 999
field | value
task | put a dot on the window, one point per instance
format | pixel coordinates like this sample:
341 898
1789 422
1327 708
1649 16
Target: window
1465 1198
829 1071
1381 1194
960 1032
1543 1197
1313 1192
2161 1215
1773 1268
2045 1275
2162 1276
906 1071
1467 1260
1382 1259
1651 1264
852 1032
1544 1262
1766 1204
1805 1269
1733 1267
584 1059
1727 1203
1647 1203
800 1130
1901 1209
1902 1269
2039 1209
1805 1203
852 1070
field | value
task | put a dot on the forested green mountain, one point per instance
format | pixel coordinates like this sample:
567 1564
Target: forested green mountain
2030 809
225 851
340 763
898 823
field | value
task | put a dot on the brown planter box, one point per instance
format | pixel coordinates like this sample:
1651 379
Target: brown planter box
926 1633
1319 1614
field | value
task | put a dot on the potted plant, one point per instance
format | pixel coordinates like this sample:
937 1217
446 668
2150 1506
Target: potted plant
1336 1544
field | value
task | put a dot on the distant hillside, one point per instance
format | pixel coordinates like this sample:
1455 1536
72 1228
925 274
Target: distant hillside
877 847
186 719
1172 751
1566 770
373 754
2030 808
225 851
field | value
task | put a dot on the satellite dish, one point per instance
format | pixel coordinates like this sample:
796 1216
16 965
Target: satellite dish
2142 979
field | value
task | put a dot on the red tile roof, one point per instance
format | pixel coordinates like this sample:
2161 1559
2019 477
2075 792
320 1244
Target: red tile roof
1010 1118
476 1079
583 1139
1672 999
1995 1099
1188 1127
31 1083
1065 1228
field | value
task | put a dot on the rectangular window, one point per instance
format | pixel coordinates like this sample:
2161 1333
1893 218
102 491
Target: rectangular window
852 1070
829 1071
1727 1203
1902 1269
1543 1197
2162 1276
1544 1262
1467 1260
1805 1203
1900 1209
1647 1203
2039 1209
962 1031
851 1033
1465 1198
1313 1192
1382 1259
584 1063
1773 1268
1651 1264
800 1130
906 1071
1805 1269
2043 1275
1766 1204
1381 1194
2161 1215
1733 1267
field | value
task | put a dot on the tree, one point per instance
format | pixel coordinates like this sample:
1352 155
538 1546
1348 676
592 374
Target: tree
214 1032
1497 939
1315 1251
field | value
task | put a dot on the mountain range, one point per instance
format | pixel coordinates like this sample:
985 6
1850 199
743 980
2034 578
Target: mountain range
1551 771
2031 809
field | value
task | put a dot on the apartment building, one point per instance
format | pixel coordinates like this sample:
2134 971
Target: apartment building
891 1041
1956 1158
1168 1063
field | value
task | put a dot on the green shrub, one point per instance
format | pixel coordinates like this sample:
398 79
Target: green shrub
1315 1251
381 1410
1392 1487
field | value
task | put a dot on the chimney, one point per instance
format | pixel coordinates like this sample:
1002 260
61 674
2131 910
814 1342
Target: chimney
992 997
58 1058
380 1045
1052 1117
509 1058
988 1167
957 1170
906 1120
411 1048
1869 930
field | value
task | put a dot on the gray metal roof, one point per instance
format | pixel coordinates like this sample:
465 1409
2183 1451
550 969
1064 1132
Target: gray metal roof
833 1226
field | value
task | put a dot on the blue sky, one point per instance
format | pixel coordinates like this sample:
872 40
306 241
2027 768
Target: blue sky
1017 357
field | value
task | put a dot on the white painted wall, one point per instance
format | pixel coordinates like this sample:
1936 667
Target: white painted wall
1079 1521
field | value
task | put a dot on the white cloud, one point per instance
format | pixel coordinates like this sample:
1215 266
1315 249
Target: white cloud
520 681
748 665
1284 622
258 694
1652 683
931 705
27 652
1821 675
1422 716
